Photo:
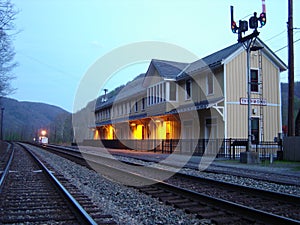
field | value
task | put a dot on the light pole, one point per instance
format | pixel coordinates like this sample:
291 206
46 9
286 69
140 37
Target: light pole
249 94
247 41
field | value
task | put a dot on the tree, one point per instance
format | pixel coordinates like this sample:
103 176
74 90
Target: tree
61 130
7 53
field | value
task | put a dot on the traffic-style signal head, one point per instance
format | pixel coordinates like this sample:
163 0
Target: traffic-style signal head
243 26
253 21
234 27
263 19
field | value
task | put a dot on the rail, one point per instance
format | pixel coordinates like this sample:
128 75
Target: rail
79 209
187 199
6 169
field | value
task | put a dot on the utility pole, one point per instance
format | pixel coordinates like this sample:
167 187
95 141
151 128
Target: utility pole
291 127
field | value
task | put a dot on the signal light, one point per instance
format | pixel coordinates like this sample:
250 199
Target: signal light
234 27
263 19
243 24
253 23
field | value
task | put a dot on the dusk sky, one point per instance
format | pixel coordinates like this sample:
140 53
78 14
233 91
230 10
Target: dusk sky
59 40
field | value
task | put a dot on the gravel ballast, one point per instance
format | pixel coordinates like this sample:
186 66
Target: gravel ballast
125 204
244 181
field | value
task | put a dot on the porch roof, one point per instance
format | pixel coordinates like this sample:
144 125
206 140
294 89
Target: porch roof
205 104
122 120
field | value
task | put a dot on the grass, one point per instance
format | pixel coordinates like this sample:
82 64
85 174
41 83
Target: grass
294 166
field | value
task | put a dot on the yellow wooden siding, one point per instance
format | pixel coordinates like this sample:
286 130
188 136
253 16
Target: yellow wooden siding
236 86
236 78
270 82
199 88
237 121
156 109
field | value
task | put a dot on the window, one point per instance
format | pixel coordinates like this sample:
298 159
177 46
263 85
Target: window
156 94
161 92
188 89
128 108
211 128
210 84
136 109
173 93
164 91
254 80
151 94
120 109
143 104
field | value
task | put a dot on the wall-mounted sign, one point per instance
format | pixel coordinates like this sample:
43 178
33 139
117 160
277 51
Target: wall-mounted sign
254 101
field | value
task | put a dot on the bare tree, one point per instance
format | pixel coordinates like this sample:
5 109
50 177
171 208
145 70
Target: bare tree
7 53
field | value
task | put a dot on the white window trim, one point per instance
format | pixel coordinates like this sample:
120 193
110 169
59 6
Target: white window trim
168 91
158 93
258 80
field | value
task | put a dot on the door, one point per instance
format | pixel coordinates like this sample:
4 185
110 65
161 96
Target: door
255 130
211 133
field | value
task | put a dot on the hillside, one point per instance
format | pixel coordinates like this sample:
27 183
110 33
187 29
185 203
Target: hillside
22 120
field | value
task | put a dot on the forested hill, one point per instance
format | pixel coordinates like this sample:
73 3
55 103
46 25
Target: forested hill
284 100
22 120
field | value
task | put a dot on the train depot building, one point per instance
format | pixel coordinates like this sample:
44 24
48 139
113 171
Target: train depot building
201 100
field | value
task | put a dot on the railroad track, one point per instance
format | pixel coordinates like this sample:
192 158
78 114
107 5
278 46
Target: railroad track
31 194
283 205
221 202
276 178
6 155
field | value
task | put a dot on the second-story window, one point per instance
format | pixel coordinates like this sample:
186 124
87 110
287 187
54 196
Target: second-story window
173 91
156 94
188 89
136 109
143 104
210 84
254 80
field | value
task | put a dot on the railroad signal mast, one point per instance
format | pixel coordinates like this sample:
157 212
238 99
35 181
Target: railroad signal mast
253 24
248 41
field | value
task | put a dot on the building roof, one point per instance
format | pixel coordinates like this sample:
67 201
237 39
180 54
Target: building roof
218 58
204 104
214 59
132 88
166 69
282 66
170 70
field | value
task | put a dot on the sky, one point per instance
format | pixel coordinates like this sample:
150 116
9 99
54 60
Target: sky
60 40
